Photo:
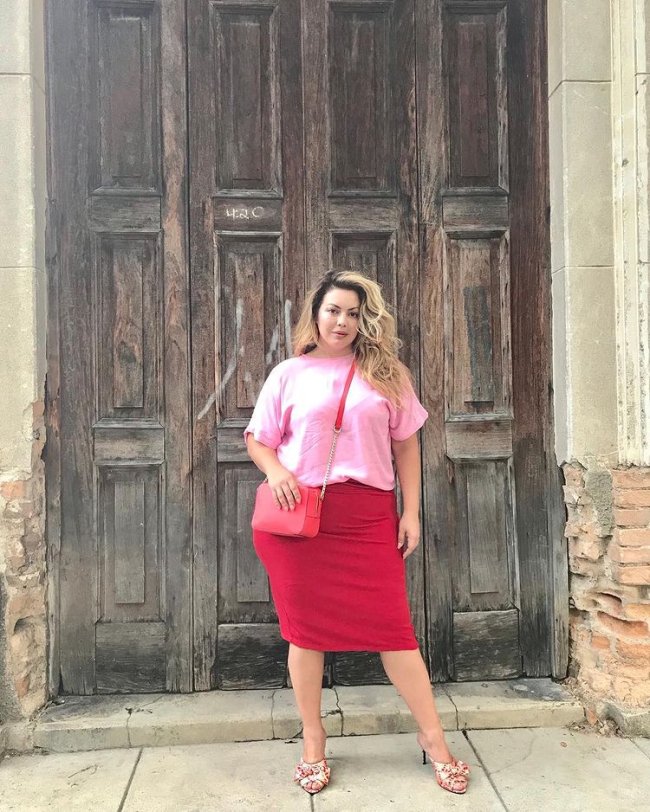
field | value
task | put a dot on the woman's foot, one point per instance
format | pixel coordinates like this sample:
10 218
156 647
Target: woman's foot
312 777
313 772
451 773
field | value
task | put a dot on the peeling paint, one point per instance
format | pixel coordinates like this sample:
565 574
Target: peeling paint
287 326
232 363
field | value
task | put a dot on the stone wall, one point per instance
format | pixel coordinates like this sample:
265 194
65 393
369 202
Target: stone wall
23 319
22 583
599 173
608 529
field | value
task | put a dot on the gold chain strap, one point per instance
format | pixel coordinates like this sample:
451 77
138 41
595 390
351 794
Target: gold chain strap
329 462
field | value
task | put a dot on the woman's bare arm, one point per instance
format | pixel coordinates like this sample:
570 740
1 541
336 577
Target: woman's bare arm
407 462
282 482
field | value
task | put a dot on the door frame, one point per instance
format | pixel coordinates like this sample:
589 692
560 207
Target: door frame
528 57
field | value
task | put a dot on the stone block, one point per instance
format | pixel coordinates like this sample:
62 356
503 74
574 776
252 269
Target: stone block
631 574
520 703
586 547
632 518
629 555
18 381
591 298
638 652
587 179
637 611
632 537
286 719
631 478
632 498
572 23
15 37
623 628
210 716
22 193
380 709
557 193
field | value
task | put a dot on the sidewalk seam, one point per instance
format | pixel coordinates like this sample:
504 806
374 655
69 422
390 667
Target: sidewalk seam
637 746
340 709
485 769
130 781
273 736
451 699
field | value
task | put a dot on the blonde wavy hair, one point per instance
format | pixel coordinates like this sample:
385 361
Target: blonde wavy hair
376 344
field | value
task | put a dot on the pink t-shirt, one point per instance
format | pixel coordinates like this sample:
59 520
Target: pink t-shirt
295 413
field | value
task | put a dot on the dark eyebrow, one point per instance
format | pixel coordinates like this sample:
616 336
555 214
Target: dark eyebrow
331 304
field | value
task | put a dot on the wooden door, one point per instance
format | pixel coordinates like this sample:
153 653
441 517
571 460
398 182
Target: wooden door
313 144
495 572
248 265
118 446
402 138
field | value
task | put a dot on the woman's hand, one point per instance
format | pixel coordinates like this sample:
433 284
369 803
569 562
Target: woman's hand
284 487
409 533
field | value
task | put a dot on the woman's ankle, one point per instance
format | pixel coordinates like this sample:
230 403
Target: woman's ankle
313 743
433 742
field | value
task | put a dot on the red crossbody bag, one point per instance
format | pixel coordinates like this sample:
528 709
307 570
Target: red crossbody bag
304 519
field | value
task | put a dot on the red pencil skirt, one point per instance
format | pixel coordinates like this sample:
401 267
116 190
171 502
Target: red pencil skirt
345 589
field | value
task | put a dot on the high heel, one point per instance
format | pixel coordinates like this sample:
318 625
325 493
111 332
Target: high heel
317 773
451 775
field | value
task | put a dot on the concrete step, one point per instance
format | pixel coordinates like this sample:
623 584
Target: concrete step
77 723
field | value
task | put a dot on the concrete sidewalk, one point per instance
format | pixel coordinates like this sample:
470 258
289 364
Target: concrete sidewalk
563 769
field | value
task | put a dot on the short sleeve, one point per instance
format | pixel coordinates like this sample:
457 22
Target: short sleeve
266 421
410 417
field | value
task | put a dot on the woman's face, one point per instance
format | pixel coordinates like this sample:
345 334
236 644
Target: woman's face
338 321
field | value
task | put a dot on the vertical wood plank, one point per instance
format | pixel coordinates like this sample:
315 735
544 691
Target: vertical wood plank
531 331
293 167
438 470
205 369
68 38
317 137
176 369
52 449
403 80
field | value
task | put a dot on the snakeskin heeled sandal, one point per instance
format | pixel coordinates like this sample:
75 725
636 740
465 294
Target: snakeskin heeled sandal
451 775
317 774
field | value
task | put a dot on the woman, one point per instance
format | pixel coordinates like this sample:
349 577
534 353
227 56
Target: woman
345 589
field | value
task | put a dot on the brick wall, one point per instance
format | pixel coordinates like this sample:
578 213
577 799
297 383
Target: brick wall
23 585
608 531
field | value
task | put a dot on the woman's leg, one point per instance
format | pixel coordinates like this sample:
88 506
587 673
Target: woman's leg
306 670
408 673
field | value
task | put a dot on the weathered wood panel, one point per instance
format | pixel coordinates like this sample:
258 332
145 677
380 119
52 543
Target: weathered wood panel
543 568
248 278
118 169
472 209
131 658
486 645
361 184
251 655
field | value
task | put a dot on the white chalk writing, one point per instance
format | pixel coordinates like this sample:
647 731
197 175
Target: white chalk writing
243 213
